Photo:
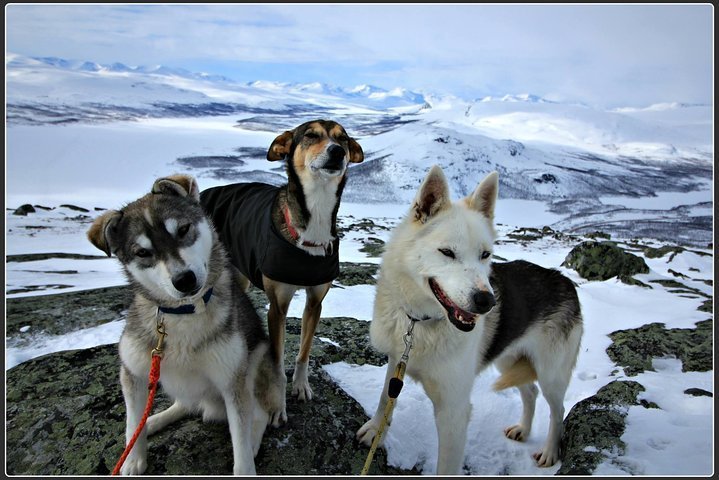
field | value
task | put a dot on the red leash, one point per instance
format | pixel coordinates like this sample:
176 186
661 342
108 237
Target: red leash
154 378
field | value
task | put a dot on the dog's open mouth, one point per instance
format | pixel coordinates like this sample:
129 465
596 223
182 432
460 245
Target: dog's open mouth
460 318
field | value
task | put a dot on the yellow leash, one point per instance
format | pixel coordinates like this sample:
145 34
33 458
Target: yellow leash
395 386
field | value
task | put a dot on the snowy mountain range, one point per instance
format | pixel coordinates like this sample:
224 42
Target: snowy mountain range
570 156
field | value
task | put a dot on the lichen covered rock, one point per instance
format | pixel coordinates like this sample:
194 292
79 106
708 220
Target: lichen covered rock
634 348
66 416
603 260
24 209
593 428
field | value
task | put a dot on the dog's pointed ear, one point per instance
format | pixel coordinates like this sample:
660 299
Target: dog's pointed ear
484 197
433 195
280 146
180 185
356 153
103 230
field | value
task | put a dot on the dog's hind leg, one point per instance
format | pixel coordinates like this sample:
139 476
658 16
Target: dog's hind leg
244 282
310 318
553 390
520 432
238 277
173 413
280 296
554 376
521 374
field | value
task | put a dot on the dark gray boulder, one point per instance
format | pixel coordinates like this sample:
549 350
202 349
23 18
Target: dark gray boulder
604 260
593 427
65 416
24 209
65 412
65 312
635 348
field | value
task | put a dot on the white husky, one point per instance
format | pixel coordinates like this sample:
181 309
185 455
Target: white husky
437 271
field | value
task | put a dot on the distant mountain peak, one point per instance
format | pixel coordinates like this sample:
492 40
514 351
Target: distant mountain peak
117 67
522 97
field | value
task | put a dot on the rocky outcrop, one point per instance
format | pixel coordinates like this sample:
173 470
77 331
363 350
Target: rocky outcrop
594 426
634 348
65 312
65 416
24 209
604 260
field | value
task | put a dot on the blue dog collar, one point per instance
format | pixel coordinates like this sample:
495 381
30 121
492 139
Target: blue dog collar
185 309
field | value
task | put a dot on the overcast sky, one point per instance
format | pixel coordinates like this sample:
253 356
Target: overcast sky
608 55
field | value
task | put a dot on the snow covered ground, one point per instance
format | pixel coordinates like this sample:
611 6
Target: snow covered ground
676 439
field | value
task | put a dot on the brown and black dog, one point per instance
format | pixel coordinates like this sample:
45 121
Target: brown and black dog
284 238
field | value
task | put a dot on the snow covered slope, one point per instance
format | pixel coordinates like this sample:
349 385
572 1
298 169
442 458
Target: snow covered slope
582 161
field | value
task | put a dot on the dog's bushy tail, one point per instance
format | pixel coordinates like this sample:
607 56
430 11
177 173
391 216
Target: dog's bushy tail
520 373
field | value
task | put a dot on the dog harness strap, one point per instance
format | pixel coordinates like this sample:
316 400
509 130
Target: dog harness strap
185 309
288 221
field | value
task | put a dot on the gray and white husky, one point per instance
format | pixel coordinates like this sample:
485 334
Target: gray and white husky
469 313
216 358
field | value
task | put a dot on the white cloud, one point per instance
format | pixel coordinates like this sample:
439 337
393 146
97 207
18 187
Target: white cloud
607 54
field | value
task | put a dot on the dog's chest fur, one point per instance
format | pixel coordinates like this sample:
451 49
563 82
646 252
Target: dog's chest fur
321 200
200 350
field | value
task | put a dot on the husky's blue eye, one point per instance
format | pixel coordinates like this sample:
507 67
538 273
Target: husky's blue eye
447 252
485 254
182 231
143 253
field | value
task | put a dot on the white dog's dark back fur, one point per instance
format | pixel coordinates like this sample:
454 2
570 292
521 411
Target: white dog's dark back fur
437 270
216 358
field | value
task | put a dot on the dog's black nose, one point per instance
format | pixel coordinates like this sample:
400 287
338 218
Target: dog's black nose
336 152
185 282
483 302
336 157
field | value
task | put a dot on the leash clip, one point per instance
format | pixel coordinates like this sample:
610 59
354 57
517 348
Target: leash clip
161 334
408 340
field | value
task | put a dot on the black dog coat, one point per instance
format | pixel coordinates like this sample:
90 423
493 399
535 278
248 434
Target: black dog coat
242 216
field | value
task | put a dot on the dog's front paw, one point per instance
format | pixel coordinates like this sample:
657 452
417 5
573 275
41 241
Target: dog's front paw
244 468
302 390
278 417
547 457
134 465
301 383
516 432
367 432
